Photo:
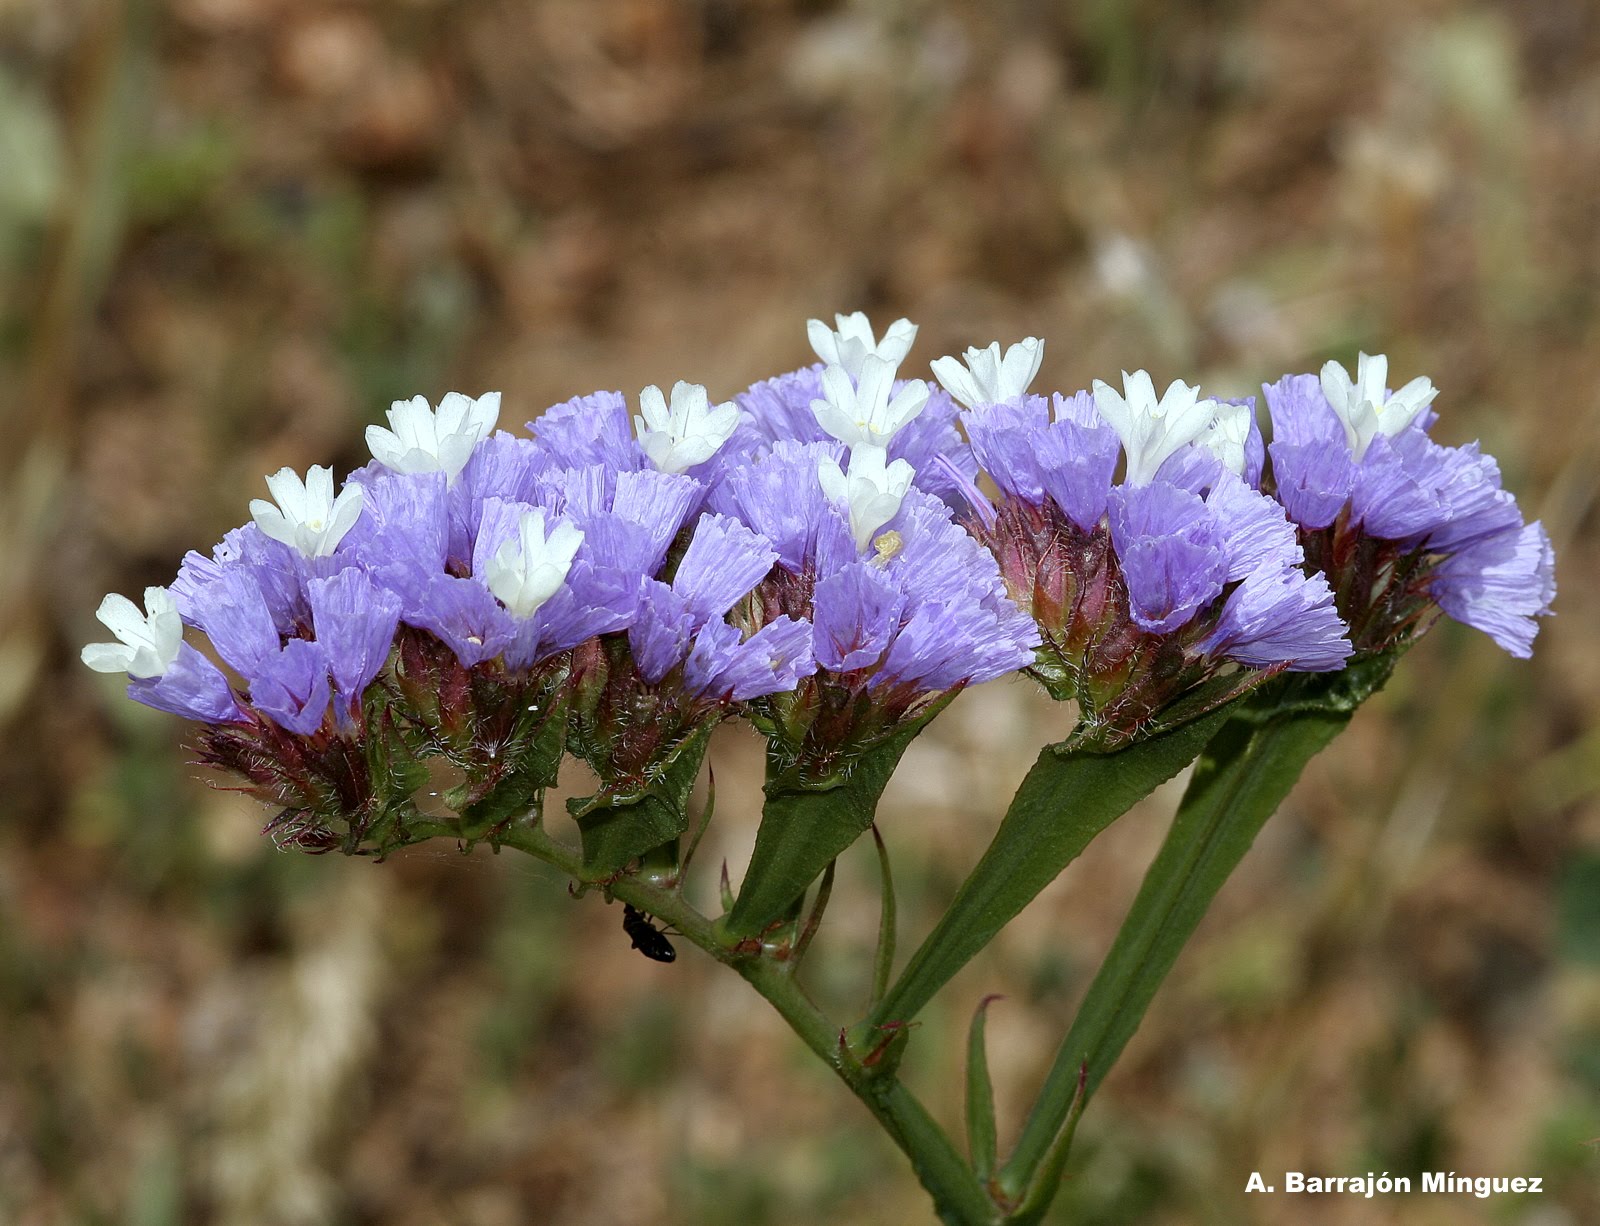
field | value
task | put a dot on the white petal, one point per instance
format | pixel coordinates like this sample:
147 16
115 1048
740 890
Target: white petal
319 490
121 616
1372 373
107 657
822 341
831 477
956 379
897 341
654 407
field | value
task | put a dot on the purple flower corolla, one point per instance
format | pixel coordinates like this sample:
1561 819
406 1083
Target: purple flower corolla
589 430
354 621
850 342
191 688
420 440
1439 529
986 377
859 606
681 624
778 411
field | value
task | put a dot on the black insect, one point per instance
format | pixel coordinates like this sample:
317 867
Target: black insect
647 938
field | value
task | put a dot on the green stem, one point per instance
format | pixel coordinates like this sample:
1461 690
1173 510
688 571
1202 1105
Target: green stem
958 1196
1243 775
1069 796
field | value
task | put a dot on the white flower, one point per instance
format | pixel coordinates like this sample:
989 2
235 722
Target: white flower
688 433
861 413
1151 429
149 641
853 341
422 441
988 378
1227 434
530 568
307 516
1363 407
873 489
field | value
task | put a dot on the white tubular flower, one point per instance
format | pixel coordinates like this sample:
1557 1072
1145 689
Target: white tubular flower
1152 429
530 567
308 516
1364 407
421 441
852 341
148 642
1227 434
873 489
861 413
687 433
987 377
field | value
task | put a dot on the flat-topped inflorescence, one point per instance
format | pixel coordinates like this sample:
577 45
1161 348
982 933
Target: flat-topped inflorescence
816 555
1403 527
1161 591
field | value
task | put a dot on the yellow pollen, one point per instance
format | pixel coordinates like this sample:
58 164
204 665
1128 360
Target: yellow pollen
885 547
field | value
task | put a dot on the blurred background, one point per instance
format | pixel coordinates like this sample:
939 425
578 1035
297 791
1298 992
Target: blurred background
231 231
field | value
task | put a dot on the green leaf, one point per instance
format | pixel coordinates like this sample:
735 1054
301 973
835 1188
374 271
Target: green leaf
1068 797
616 826
1243 775
806 822
981 1141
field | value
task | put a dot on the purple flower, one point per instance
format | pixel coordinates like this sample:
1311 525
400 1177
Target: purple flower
858 613
1398 522
1169 543
280 572
681 624
1499 584
590 430
778 410
724 665
191 688
1277 617
355 621
291 688
780 497
1057 449
860 605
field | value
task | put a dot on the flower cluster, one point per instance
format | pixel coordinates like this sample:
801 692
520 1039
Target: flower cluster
1403 527
815 555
